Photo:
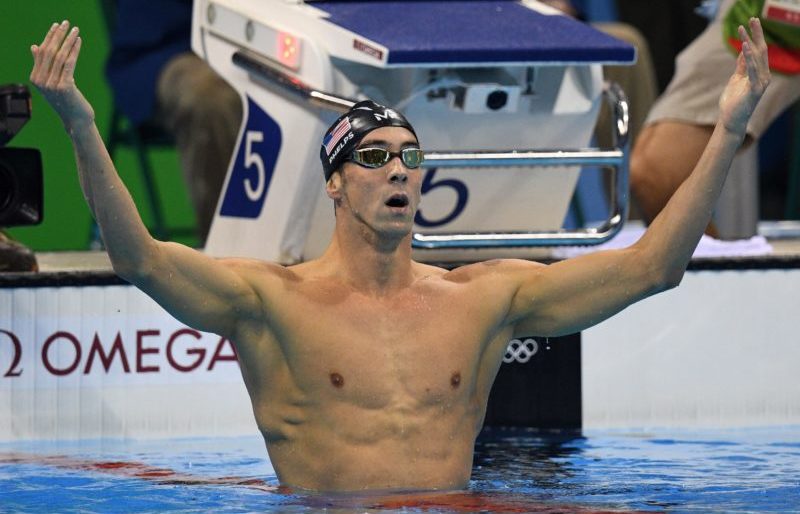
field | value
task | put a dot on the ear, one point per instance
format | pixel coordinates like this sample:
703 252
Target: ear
333 188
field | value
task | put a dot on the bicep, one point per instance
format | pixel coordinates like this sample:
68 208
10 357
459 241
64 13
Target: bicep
574 294
200 291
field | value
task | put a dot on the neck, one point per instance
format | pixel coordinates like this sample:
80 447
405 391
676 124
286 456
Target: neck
373 263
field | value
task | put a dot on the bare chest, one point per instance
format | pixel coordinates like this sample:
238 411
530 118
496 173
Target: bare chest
408 351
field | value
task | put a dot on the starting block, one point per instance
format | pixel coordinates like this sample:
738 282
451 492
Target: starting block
503 95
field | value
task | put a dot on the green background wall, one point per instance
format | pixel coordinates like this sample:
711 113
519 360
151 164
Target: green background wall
67 222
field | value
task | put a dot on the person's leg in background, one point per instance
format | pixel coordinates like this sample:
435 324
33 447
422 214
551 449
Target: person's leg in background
204 114
663 156
679 126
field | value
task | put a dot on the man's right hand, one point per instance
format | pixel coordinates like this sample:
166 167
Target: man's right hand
53 74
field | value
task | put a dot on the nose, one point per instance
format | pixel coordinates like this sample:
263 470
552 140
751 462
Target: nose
397 171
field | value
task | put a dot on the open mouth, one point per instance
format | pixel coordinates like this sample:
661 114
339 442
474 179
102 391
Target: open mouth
397 200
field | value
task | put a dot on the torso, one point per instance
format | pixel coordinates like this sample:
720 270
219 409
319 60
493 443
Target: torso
357 392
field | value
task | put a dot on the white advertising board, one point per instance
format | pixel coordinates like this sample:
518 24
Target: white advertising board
83 362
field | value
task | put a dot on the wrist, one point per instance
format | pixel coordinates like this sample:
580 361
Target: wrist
77 125
735 134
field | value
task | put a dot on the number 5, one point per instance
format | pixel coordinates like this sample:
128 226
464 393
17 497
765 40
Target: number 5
253 158
462 195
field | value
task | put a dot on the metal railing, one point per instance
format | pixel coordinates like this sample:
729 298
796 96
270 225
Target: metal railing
615 158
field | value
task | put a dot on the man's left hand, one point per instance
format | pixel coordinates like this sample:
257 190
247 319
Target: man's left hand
748 82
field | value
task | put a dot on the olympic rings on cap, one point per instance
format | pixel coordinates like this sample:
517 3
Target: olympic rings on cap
520 351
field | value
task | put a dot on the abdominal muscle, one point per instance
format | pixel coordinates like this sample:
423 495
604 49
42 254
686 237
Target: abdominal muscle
342 447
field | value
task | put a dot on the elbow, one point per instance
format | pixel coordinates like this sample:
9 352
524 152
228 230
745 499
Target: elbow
129 272
668 279
672 282
661 273
135 267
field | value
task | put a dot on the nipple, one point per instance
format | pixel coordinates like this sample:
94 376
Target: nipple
337 380
455 380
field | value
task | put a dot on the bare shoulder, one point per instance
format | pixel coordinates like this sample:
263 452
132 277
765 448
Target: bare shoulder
261 275
256 266
426 271
486 289
495 269
493 282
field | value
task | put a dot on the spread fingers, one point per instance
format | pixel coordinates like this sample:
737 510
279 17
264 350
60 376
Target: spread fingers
45 54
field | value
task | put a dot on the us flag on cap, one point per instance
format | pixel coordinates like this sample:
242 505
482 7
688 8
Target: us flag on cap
336 135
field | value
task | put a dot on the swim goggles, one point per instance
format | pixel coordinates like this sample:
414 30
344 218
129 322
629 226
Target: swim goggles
375 157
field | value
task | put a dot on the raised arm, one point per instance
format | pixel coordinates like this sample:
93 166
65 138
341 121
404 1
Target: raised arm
204 293
575 294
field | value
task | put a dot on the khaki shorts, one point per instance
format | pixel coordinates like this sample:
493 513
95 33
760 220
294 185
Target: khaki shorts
701 72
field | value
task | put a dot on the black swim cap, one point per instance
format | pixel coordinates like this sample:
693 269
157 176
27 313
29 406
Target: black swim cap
350 128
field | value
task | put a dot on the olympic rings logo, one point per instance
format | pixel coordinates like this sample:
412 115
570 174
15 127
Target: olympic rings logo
520 351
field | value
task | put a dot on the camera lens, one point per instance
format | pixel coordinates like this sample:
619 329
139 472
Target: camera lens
496 100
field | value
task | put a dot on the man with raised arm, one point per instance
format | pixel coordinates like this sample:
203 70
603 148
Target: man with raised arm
368 370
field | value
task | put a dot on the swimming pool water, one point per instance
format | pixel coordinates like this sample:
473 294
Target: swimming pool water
745 470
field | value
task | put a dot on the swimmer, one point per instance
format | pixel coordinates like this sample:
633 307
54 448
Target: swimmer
368 370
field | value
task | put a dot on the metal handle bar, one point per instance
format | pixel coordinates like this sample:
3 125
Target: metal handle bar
615 158
587 157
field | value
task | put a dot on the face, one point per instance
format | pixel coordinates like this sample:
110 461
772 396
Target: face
384 199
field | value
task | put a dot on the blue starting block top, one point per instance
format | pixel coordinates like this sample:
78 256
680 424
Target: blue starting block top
474 32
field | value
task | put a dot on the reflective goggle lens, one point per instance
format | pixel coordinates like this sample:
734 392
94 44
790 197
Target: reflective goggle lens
413 157
372 157
377 157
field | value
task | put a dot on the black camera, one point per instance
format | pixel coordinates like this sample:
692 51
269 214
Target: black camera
21 187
